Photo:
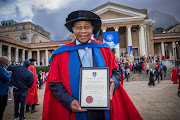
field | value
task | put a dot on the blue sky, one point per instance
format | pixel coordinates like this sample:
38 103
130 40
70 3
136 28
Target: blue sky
51 14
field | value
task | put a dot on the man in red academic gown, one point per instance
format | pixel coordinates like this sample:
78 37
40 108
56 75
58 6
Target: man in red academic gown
174 75
61 99
32 96
157 64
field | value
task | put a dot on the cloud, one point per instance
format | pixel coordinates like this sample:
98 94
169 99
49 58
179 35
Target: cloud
51 14
26 8
54 20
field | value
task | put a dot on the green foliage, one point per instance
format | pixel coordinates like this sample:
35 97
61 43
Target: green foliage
159 30
42 68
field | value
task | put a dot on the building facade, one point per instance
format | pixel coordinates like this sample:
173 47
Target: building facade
20 41
25 40
18 51
25 32
133 26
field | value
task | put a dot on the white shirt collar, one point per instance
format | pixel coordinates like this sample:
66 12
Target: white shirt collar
77 42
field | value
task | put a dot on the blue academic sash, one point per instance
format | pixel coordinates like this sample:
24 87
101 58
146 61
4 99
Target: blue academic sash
74 69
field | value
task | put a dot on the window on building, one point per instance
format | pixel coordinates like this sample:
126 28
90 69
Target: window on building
3 24
9 24
16 27
23 26
133 29
23 34
6 24
135 52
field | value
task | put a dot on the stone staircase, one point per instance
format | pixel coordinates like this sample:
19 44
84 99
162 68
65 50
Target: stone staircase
144 77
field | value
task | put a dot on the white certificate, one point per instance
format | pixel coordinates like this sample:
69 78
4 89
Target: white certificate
94 88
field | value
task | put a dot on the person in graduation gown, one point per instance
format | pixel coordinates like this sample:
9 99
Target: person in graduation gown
61 98
174 75
32 96
151 78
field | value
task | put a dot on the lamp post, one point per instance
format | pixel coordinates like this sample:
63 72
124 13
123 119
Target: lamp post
174 47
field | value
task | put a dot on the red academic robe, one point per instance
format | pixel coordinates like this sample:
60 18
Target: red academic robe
157 65
44 78
32 96
122 107
143 66
147 60
130 67
174 75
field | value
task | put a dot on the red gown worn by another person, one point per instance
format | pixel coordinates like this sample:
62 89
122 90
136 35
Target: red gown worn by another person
174 75
32 96
157 64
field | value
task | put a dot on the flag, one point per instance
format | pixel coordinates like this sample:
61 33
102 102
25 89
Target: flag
111 38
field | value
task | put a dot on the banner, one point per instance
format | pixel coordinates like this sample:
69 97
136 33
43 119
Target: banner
130 51
111 38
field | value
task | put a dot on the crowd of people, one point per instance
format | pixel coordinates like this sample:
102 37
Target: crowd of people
24 81
158 73
125 68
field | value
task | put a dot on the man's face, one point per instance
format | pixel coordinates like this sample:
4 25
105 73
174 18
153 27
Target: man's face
83 31
32 63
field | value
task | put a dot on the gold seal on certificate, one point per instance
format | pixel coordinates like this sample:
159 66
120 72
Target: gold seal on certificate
94 88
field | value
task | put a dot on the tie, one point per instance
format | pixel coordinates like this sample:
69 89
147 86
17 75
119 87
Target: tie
86 59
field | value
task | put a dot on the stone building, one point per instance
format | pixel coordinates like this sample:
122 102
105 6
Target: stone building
167 45
25 32
25 40
133 26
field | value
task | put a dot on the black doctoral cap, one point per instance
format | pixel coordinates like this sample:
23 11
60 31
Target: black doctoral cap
83 15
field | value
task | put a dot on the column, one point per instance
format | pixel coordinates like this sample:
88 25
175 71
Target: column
145 38
29 54
142 41
174 53
23 55
47 60
104 29
0 50
9 53
117 53
173 48
38 58
129 40
162 50
17 55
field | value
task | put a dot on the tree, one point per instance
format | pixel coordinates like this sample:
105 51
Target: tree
159 30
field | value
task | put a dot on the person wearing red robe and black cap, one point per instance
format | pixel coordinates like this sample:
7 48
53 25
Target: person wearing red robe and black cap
174 75
32 96
61 98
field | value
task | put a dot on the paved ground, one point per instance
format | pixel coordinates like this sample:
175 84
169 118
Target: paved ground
154 103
